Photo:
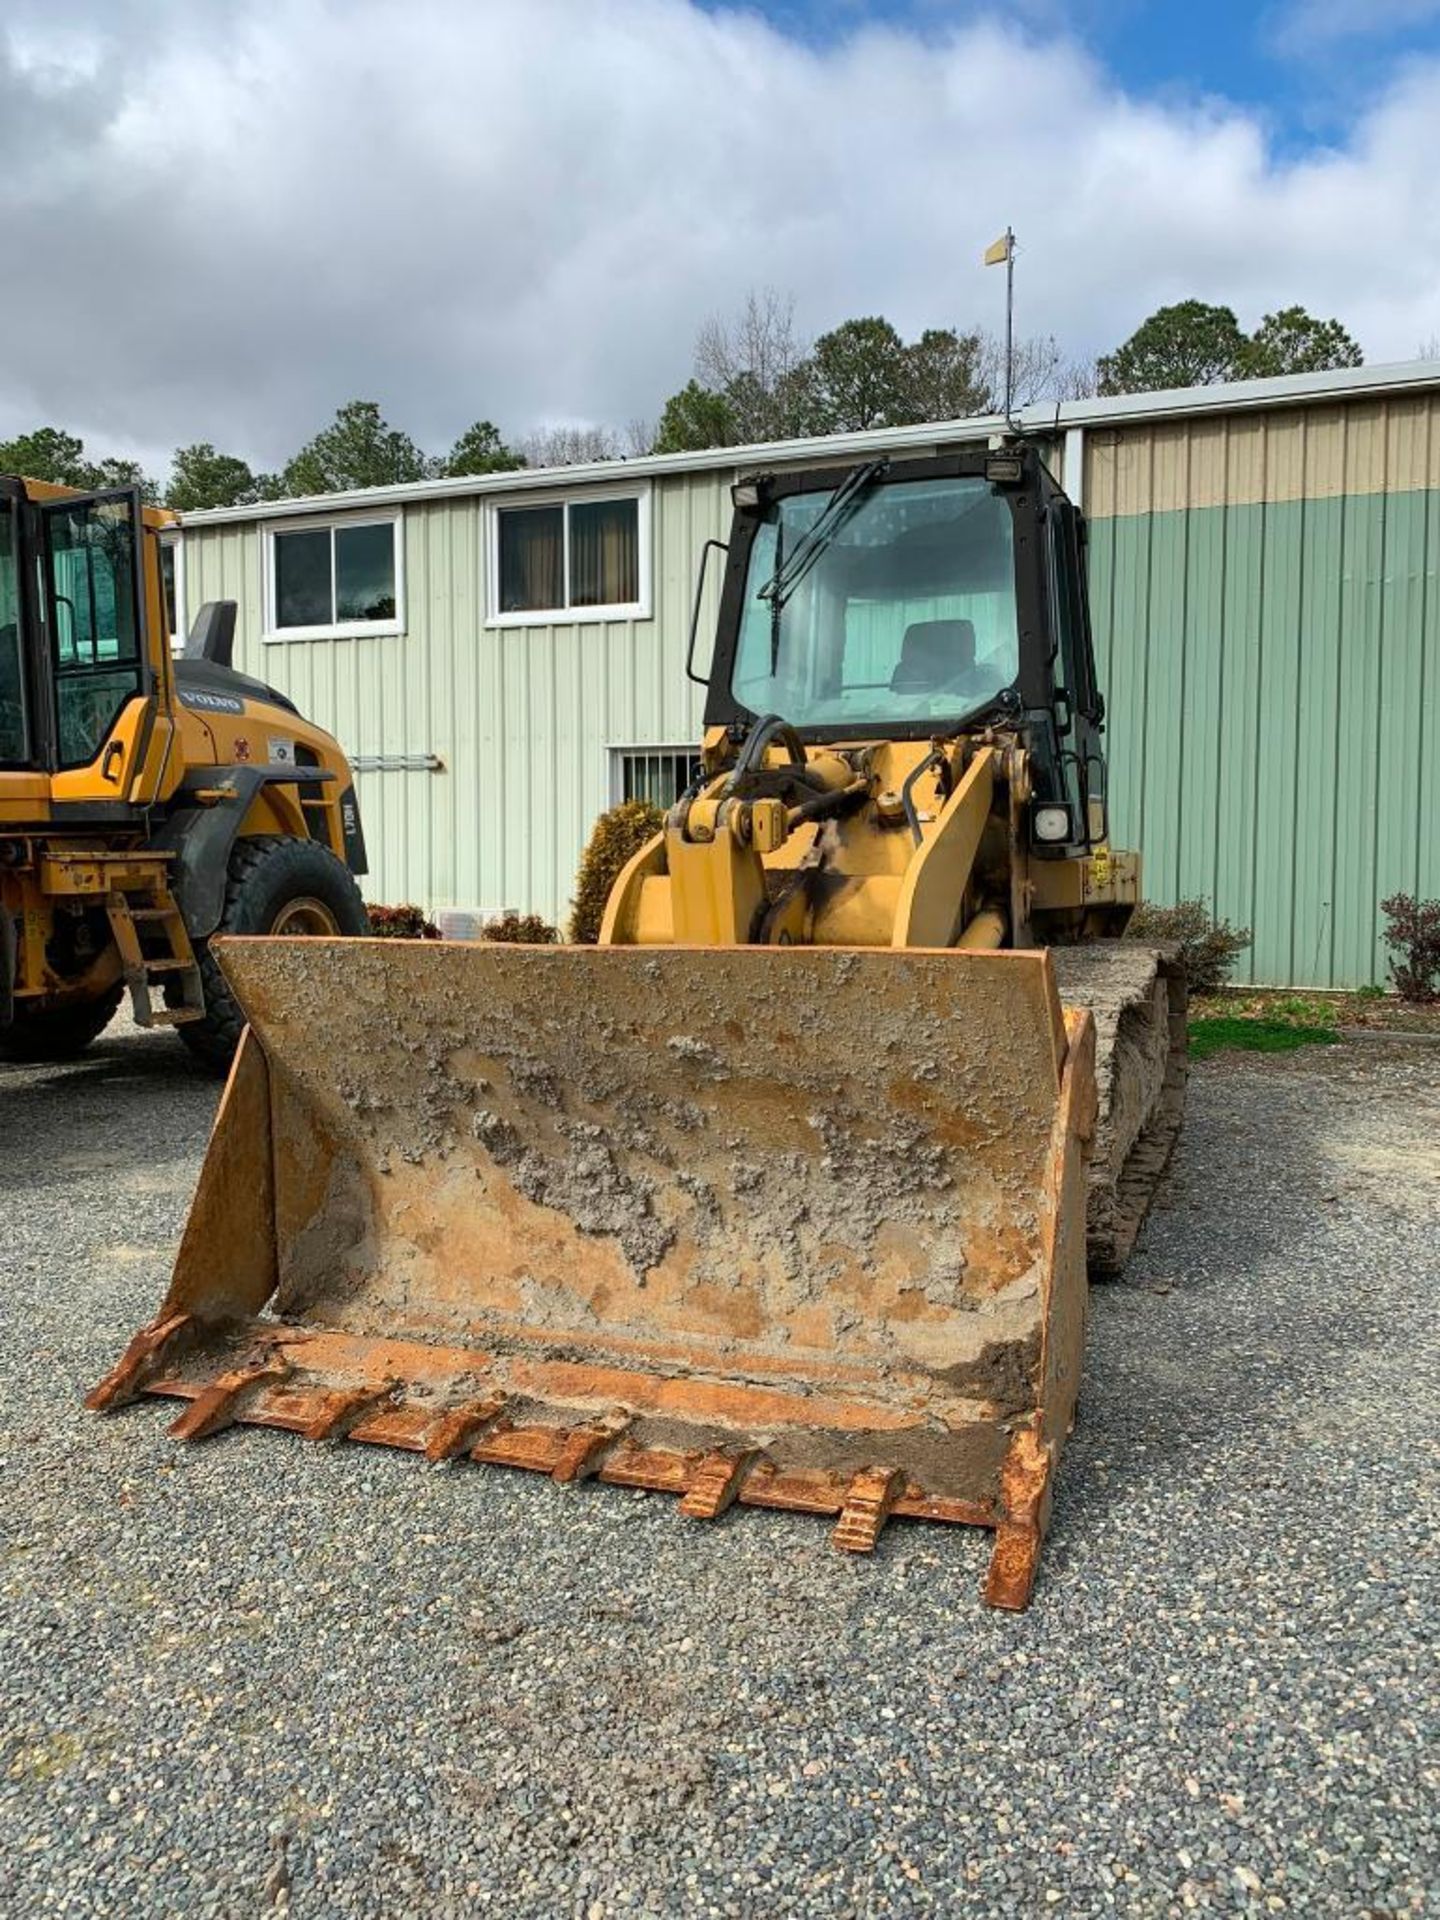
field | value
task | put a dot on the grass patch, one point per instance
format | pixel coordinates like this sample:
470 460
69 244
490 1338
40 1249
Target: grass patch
1367 1007
1210 1035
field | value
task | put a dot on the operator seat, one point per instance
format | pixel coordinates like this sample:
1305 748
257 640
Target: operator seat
935 656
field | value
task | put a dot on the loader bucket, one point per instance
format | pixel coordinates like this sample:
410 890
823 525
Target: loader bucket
787 1227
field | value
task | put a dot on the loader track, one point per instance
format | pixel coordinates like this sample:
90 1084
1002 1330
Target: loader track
1137 995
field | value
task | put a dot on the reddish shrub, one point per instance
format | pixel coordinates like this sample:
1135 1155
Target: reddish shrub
1413 935
402 923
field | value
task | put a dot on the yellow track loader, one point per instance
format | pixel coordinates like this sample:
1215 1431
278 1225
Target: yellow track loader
146 803
779 1196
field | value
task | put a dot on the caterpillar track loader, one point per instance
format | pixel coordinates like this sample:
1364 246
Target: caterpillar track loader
778 1197
146 803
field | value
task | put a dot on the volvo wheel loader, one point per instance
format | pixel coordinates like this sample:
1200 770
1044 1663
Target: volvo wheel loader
779 1195
146 803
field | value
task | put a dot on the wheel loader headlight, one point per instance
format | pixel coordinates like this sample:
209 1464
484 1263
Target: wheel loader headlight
1052 823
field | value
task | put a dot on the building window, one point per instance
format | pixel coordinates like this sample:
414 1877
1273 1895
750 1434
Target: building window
657 774
333 578
565 560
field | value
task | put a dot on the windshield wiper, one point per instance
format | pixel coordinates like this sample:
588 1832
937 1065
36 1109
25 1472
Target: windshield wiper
811 544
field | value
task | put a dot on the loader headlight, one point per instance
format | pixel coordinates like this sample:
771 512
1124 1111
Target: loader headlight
749 494
1052 823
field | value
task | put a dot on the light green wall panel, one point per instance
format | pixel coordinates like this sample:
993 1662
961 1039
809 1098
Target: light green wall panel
523 718
1271 674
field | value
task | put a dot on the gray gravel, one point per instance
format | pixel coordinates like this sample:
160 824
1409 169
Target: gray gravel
252 1677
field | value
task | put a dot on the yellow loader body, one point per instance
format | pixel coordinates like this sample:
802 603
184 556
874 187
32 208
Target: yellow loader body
778 1196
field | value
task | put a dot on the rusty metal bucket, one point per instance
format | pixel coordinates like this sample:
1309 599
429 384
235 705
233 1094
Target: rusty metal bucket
784 1227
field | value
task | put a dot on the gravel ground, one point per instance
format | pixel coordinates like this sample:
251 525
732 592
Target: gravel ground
252 1677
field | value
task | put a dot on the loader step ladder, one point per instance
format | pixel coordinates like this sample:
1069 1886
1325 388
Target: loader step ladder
144 912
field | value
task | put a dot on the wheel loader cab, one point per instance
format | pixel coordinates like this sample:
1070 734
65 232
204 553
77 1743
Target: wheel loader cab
912 600
145 804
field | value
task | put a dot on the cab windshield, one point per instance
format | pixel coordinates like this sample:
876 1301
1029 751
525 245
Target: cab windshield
906 614
13 740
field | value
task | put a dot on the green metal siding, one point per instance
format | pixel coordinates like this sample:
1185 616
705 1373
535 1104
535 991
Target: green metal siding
1273 679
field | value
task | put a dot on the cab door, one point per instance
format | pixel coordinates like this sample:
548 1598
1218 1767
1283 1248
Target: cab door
22 741
94 615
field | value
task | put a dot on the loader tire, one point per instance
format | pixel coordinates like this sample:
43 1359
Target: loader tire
276 886
58 1033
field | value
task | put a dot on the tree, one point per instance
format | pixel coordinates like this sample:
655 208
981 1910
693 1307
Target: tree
945 376
357 449
856 376
693 419
569 446
1194 345
1186 345
478 450
112 472
49 453
751 360
1294 341
200 477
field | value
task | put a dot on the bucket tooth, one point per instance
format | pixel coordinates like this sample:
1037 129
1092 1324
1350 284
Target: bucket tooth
342 1408
585 1449
457 1430
716 1484
868 1504
1025 1493
141 1361
220 1404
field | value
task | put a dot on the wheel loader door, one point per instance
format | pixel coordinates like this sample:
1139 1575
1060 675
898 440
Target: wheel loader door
92 571
17 736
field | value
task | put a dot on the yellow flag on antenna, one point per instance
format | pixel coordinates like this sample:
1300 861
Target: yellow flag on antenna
997 255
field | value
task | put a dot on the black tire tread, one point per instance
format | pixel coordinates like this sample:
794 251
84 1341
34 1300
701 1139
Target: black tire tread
59 1033
214 1039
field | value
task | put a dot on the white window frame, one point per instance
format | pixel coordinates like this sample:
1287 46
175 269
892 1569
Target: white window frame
618 754
637 490
175 539
340 629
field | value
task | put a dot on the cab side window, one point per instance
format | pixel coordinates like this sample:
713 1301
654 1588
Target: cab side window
14 733
94 619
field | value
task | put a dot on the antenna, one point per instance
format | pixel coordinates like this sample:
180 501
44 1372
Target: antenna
1004 249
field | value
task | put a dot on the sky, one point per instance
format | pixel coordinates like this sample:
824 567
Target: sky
221 219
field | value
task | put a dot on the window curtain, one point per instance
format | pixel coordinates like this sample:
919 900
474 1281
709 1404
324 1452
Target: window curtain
532 559
604 554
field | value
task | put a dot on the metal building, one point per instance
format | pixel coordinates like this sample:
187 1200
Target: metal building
503 656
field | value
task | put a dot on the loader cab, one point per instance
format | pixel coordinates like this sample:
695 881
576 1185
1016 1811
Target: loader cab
76 675
919 599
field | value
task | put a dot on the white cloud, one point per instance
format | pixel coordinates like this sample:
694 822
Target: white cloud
220 221
1305 26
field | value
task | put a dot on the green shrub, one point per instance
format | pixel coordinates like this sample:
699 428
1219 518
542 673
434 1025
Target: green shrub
615 838
520 929
1207 947
402 923
1412 933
